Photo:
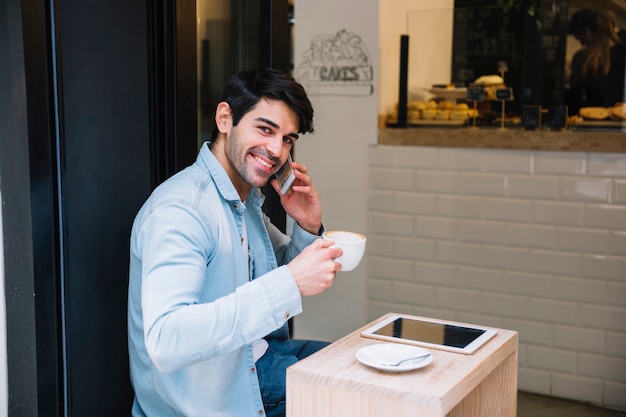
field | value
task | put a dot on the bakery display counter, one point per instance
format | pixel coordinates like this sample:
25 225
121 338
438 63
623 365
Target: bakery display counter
580 140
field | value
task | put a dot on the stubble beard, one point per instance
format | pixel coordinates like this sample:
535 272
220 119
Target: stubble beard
237 155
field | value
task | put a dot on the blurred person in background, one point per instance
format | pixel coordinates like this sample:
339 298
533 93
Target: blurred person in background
597 72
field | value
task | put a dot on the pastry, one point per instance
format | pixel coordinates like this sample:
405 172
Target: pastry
594 113
618 112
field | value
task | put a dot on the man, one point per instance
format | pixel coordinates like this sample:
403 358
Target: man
212 281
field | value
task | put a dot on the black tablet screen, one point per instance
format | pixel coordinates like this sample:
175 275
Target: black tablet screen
429 332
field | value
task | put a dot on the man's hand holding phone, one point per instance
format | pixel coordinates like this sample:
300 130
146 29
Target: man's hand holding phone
298 196
285 177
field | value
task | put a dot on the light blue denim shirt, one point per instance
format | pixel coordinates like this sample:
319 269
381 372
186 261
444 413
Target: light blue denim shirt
194 306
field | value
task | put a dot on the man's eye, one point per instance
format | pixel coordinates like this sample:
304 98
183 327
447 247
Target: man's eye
289 140
265 129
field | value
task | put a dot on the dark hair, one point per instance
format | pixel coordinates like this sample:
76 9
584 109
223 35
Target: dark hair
582 21
245 89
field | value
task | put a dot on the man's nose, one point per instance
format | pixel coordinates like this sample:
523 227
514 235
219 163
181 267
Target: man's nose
274 145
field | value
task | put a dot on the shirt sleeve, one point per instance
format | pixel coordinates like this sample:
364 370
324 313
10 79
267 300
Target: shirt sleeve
180 326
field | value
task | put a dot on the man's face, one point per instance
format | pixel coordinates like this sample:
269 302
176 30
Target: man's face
259 145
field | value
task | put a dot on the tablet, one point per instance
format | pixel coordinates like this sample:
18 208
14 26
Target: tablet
437 334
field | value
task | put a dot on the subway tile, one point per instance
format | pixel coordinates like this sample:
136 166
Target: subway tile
617 294
457 299
583 240
380 200
618 242
558 214
390 224
559 163
605 216
437 228
505 305
391 179
528 284
552 359
577 388
522 357
498 161
488 320
384 268
603 317
382 155
585 189
619 191
435 273
614 395
507 210
414 294
376 309
493 185
416 157
437 181
480 279
506 258
535 381
530 332
615 344
462 159
437 313
579 339
555 311
607 267
598 366
483 232
411 248
458 253
380 290
551 262
606 165
460 207
379 245
532 187
580 289
416 203
532 236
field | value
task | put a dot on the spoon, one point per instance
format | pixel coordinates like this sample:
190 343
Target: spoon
405 360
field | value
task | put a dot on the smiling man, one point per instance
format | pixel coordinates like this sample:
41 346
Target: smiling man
212 282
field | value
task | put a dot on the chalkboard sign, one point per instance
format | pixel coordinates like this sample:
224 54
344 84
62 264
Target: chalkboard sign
504 94
475 93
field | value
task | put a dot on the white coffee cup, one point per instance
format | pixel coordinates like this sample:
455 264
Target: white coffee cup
352 244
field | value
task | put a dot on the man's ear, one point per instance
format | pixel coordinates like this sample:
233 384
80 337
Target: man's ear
223 117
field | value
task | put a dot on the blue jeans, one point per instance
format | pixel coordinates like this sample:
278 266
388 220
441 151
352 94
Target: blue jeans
272 370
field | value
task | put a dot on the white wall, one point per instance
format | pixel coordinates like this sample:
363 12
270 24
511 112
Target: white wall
433 33
4 378
336 154
522 240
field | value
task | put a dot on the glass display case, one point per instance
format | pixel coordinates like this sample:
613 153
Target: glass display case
486 65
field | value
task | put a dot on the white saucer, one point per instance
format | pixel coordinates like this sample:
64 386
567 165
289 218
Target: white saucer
376 356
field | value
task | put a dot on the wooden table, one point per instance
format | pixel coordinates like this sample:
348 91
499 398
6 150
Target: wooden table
332 383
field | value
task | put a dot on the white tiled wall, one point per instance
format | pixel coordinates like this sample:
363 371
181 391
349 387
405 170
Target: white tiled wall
529 241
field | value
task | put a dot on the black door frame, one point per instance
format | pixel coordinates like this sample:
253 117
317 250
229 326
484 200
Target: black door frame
31 117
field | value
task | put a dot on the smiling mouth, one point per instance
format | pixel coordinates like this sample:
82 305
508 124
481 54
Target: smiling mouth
268 165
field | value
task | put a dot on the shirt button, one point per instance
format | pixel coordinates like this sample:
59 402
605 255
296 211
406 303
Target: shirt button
261 412
253 369
287 314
